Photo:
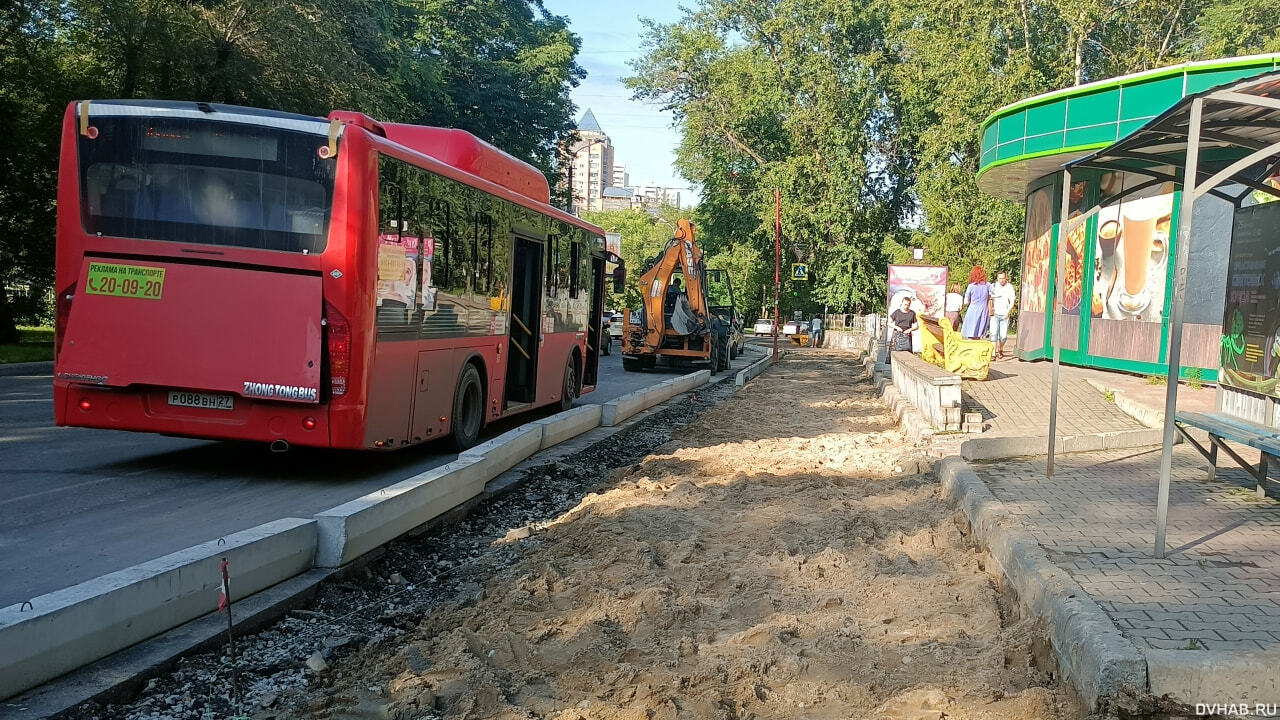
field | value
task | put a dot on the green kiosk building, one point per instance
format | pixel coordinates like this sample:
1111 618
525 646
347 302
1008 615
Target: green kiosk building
1115 307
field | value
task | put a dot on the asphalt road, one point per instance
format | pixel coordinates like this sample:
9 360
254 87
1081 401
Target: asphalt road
77 503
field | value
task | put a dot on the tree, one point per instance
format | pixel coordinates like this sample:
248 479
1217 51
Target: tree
501 69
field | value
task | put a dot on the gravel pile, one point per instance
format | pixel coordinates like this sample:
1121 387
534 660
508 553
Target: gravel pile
303 654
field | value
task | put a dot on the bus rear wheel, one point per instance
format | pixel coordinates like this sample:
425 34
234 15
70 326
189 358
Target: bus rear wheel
569 392
468 409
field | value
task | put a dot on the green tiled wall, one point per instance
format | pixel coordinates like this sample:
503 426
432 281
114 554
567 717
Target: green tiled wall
1088 117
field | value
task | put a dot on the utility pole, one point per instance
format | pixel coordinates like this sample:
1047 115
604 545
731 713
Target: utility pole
777 269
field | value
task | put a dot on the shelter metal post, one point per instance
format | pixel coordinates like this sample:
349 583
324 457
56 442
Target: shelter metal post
1056 316
1189 193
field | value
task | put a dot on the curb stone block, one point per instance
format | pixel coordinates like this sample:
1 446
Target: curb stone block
74 626
1199 676
568 424
508 449
353 528
1091 653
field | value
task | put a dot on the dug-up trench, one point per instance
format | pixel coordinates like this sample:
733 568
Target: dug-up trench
787 555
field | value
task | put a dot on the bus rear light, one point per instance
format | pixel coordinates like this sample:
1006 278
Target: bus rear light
308 423
85 404
62 308
339 344
92 132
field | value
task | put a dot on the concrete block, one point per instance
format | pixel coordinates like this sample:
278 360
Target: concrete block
1208 676
620 408
570 423
507 450
356 527
75 626
1134 438
997 448
1090 651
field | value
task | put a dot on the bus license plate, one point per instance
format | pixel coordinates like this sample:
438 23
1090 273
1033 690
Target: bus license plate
201 400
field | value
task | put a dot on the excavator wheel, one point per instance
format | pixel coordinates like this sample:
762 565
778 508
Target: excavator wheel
722 344
714 365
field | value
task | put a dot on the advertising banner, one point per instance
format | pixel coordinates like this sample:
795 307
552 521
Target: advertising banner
1251 326
1035 255
1131 256
926 285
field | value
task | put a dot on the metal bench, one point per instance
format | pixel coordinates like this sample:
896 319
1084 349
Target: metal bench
1223 428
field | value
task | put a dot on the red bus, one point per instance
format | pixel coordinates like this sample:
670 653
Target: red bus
234 273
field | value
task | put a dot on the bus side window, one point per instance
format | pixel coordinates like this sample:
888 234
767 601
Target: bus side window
553 264
394 294
482 253
575 269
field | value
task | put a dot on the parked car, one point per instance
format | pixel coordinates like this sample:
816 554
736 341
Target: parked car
764 326
615 322
795 327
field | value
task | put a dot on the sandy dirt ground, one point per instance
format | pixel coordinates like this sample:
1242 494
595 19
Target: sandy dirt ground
785 556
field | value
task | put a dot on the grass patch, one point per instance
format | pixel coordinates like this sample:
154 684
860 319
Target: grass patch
35 344
1195 378
1155 379
1109 396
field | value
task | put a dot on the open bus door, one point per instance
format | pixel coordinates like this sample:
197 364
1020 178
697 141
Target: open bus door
525 326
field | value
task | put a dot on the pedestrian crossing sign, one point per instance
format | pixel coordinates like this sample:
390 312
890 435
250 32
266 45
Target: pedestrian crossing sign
799 271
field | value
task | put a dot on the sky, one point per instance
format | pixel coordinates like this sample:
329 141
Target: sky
642 136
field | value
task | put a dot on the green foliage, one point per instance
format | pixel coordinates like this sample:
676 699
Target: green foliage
866 116
1195 378
501 69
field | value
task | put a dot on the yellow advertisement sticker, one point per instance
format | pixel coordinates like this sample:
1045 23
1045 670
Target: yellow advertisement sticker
135 281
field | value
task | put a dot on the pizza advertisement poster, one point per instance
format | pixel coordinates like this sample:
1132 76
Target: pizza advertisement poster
1035 255
1250 353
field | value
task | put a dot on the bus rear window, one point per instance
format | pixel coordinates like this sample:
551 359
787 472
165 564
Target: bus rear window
204 181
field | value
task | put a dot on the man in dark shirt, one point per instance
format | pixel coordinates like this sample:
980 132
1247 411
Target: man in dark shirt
904 323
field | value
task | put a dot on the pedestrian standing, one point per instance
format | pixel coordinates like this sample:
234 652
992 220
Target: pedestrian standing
978 297
815 331
951 306
904 323
1003 298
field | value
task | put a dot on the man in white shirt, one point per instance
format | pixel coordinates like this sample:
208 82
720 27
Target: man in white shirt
1002 299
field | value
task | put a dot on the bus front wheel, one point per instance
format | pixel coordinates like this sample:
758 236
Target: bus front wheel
468 409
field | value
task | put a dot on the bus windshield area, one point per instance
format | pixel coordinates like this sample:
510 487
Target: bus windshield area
205 181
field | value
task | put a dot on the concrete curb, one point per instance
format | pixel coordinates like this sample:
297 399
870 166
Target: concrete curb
44 367
1207 676
1002 448
1090 651
623 407
74 626
1148 416
353 528
753 370
568 424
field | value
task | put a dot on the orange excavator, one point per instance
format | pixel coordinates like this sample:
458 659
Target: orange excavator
674 320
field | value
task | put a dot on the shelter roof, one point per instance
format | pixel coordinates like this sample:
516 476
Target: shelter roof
1240 121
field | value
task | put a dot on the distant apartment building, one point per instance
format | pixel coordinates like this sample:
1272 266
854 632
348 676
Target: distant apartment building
592 164
618 198
621 178
653 195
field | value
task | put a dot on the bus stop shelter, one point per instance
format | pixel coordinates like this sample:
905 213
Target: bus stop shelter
1223 142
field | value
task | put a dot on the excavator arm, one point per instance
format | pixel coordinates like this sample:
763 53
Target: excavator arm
682 253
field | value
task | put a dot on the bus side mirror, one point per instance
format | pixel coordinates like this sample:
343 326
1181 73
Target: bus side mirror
619 280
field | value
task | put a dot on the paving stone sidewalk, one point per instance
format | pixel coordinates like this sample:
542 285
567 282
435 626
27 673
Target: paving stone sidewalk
1014 401
1219 587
